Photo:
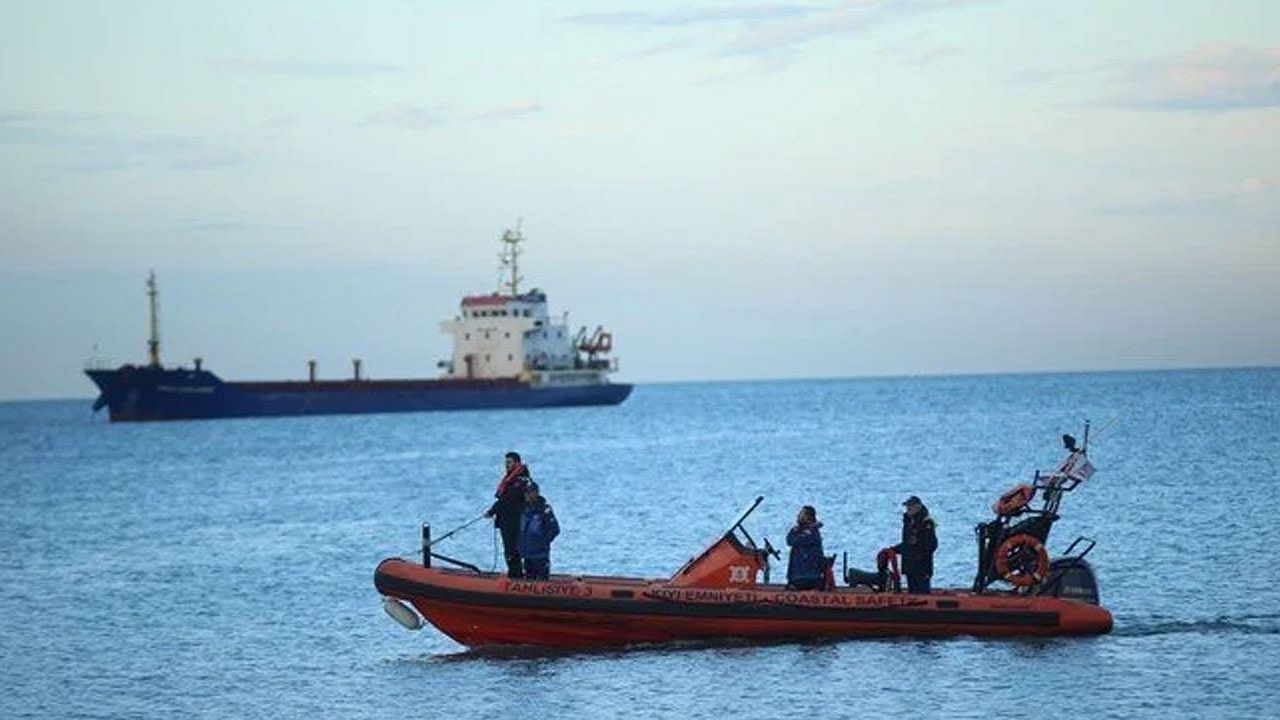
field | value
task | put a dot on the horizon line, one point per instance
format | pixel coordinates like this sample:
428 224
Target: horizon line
835 378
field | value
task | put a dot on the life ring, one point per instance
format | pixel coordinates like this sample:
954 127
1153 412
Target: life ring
1022 560
1014 501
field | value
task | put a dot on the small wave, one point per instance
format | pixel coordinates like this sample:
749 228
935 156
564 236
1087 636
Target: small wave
1259 616
1251 624
502 652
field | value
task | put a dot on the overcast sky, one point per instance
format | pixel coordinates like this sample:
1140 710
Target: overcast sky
738 190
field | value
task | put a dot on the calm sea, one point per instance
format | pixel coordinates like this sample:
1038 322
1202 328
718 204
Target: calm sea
224 569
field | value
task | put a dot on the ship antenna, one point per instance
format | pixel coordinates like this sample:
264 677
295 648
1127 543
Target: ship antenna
153 344
511 252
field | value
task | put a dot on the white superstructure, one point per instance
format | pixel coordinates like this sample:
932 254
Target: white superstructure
510 334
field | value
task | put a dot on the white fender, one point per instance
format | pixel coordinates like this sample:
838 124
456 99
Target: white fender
401 613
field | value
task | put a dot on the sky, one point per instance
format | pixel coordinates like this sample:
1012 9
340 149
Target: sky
736 189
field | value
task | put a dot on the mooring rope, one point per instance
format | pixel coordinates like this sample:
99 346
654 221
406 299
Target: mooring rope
494 566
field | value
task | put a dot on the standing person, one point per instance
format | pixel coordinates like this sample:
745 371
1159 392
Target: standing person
919 541
806 564
538 527
508 508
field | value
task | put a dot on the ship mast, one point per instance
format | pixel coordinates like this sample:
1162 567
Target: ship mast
510 260
153 343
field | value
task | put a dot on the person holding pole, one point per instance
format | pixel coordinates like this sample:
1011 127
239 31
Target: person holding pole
507 510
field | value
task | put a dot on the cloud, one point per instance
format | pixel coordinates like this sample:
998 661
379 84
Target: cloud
1252 186
514 110
206 160
777 32
659 49
729 14
921 57
304 68
1165 207
408 117
101 165
93 150
1243 195
281 120
849 18
1039 77
1212 78
421 117
214 226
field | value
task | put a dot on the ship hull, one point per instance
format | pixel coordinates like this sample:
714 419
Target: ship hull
139 394
479 609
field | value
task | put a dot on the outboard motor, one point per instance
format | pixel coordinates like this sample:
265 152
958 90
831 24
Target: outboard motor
1071 578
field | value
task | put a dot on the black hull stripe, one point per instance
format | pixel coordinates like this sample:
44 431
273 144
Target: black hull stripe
401 587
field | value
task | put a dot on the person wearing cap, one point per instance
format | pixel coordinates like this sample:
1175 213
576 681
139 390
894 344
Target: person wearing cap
538 527
919 541
507 510
806 564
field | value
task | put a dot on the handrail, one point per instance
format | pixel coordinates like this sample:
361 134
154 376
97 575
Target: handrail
745 515
459 563
738 525
1055 579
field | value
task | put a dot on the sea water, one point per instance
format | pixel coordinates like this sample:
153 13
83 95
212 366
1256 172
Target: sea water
223 569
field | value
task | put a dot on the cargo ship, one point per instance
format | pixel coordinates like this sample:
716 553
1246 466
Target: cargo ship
508 352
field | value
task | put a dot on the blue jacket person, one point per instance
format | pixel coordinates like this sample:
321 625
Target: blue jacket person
806 564
538 527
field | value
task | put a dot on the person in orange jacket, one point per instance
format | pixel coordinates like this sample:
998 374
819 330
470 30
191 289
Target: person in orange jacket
508 508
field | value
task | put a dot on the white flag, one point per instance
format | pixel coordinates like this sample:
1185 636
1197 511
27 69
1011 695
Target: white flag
1076 466
1082 471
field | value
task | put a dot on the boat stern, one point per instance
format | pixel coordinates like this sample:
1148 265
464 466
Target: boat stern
1079 618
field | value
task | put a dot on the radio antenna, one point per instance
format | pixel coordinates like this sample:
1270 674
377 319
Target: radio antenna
509 269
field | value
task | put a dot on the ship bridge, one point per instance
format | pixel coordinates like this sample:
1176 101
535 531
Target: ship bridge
510 334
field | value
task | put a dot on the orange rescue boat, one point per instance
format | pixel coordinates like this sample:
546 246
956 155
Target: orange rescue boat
718 594
710 598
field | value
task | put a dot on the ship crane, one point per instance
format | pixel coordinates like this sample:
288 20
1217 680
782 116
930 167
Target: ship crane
600 343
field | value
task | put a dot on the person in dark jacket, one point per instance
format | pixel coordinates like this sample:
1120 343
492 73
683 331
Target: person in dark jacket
919 541
508 508
806 564
538 527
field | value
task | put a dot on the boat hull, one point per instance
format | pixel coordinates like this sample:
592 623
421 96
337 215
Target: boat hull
582 612
135 394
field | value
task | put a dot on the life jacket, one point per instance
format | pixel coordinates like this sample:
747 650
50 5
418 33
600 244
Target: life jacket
516 471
